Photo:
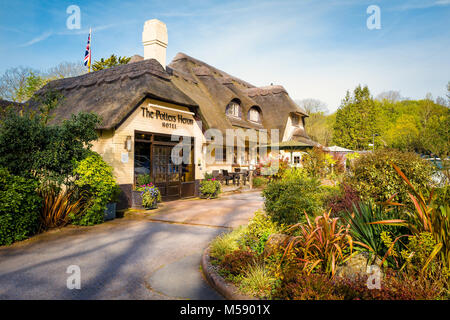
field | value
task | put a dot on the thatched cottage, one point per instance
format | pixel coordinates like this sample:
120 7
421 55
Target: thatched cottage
148 108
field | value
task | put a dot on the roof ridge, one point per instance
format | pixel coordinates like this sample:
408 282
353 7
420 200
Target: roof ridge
181 55
109 75
265 90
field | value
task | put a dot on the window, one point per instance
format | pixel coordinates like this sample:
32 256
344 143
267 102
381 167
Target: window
297 159
295 120
233 109
220 155
254 114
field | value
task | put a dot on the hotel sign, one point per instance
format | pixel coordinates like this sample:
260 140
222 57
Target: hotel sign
168 119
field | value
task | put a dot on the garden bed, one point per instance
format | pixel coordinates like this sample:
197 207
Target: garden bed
226 289
316 242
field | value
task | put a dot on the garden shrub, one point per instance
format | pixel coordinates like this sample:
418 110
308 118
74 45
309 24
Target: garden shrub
210 188
419 249
95 178
303 286
394 286
315 162
287 199
58 206
257 232
237 262
19 207
31 147
362 229
342 200
374 177
259 182
322 244
226 243
441 196
257 280
272 167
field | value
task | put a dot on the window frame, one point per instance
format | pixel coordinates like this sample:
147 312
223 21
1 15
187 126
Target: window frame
258 111
235 106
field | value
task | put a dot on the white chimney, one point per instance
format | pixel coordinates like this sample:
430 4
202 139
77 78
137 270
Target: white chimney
154 39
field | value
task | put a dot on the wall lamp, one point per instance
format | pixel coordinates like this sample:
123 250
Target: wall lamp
128 144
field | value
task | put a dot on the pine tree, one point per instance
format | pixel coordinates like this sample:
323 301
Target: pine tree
356 120
109 62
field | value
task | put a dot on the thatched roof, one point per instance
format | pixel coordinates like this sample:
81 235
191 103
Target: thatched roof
114 93
212 89
290 145
5 104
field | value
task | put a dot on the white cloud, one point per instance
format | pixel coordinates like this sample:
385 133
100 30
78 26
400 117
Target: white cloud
39 38
412 5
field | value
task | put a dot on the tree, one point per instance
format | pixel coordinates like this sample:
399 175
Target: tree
356 120
66 70
19 84
436 135
313 105
317 125
31 148
14 81
112 61
404 133
391 96
32 84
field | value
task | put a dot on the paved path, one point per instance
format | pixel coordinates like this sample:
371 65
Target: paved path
142 257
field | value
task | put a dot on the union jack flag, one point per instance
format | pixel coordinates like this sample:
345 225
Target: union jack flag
87 55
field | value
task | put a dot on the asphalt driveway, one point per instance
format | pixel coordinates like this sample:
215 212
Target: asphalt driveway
148 256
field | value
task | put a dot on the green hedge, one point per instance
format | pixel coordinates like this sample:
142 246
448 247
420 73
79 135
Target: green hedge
96 181
374 178
287 199
210 188
19 207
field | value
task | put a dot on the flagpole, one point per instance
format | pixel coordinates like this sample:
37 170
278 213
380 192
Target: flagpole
90 48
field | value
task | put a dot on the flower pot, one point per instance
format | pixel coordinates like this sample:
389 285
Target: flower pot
136 200
110 211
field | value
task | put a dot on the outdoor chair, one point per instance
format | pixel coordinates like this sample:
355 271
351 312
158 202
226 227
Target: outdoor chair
245 176
227 177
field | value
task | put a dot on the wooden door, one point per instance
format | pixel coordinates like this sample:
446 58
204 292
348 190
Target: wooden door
166 174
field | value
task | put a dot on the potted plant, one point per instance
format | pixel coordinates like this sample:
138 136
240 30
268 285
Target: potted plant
210 188
136 197
150 195
110 211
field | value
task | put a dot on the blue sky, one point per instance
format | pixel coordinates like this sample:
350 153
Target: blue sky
315 49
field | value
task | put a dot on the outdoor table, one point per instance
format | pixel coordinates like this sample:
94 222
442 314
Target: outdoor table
235 175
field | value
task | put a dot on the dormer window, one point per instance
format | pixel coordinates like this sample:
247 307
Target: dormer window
254 114
234 109
295 120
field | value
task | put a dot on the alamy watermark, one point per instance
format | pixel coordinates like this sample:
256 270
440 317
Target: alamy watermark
74 19
374 20
74 280
374 279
